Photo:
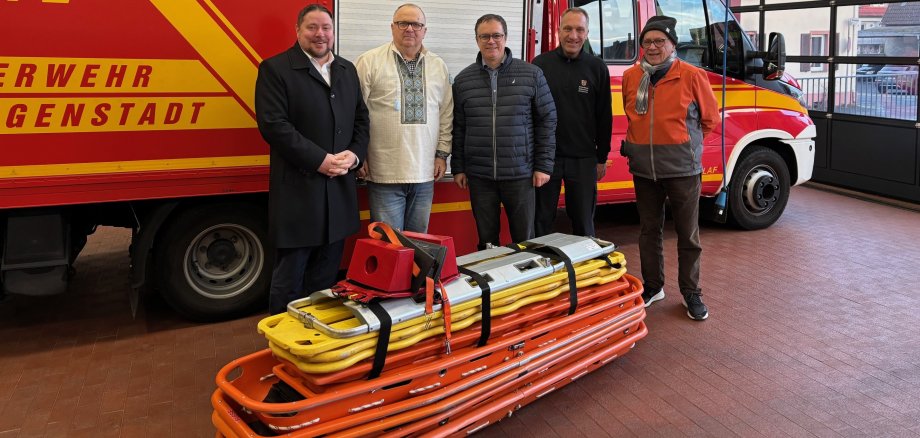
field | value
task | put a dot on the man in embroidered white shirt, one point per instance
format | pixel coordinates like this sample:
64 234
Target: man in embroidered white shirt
408 94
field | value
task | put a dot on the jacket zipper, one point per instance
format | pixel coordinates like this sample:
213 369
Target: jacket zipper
494 145
651 130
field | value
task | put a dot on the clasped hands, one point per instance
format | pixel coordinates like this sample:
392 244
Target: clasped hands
338 164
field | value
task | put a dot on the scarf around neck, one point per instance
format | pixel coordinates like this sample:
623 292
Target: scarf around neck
648 70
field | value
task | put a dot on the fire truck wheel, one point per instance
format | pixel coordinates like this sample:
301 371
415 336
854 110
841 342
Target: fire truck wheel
211 261
759 189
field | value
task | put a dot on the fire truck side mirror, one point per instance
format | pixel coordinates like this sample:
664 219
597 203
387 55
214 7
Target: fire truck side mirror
774 62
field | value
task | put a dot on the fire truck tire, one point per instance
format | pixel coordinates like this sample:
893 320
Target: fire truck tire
212 262
759 189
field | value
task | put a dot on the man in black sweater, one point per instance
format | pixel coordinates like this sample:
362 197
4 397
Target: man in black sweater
580 85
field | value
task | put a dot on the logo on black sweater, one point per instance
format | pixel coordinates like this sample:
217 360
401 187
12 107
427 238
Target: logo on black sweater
583 86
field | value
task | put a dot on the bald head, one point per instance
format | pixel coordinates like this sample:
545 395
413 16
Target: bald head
409 5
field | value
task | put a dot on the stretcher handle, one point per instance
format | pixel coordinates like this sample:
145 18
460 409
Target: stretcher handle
311 322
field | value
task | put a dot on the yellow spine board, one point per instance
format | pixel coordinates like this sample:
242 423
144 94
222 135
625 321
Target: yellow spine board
287 331
314 352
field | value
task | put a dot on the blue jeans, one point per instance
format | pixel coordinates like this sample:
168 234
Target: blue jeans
404 206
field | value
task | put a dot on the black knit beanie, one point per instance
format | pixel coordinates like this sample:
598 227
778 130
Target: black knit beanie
661 23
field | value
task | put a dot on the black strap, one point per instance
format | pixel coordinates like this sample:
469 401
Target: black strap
486 304
383 339
611 263
573 284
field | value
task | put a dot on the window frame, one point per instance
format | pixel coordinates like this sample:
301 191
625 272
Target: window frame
632 47
824 45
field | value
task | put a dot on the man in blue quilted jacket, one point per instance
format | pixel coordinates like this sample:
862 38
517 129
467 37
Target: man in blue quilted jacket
504 136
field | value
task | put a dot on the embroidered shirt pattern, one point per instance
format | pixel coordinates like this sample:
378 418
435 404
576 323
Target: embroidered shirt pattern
412 80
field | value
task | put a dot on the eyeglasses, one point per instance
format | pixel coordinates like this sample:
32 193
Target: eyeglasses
657 42
403 25
485 37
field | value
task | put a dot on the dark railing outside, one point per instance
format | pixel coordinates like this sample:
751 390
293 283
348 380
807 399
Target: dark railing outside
890 96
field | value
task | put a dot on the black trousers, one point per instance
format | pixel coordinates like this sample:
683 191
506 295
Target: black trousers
684 195
580 177
301 271
487 197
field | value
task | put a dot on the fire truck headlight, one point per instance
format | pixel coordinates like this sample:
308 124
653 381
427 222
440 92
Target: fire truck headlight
795 92
798 95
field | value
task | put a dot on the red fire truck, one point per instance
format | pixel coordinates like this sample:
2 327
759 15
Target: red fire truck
139 114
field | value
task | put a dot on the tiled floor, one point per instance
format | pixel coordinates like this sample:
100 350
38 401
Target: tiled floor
814 331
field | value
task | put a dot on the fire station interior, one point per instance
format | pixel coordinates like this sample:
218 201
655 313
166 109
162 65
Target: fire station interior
812 328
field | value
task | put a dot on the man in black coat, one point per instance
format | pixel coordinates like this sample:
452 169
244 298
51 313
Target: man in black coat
310 111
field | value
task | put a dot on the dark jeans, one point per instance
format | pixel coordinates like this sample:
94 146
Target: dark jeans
684 194
580 177
486 199
301 271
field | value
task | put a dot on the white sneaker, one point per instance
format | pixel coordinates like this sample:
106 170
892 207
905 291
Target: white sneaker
650 297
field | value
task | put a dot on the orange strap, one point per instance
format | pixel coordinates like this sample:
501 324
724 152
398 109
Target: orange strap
391 237
445 310
387 230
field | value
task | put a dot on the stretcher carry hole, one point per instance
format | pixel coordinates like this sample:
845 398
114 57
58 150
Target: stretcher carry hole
528 265
477 358
396 385
473 283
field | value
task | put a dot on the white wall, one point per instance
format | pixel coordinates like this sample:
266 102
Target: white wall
363 25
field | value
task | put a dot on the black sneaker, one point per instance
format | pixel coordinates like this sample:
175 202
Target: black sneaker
696 310
650 297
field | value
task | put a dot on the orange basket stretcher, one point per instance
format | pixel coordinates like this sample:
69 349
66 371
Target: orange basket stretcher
539 379
525 333
251 386
390 394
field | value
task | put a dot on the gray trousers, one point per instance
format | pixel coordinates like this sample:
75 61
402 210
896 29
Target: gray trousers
684 196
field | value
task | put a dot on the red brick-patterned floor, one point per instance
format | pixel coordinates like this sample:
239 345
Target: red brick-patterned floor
814 331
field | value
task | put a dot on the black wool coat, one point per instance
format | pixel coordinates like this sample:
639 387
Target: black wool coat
302 119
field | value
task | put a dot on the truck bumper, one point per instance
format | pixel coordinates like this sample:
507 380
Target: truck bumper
804 148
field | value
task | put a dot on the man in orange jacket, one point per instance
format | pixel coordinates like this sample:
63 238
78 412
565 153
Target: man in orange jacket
671 108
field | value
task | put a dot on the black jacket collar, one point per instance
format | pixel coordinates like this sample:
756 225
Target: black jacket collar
564 58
